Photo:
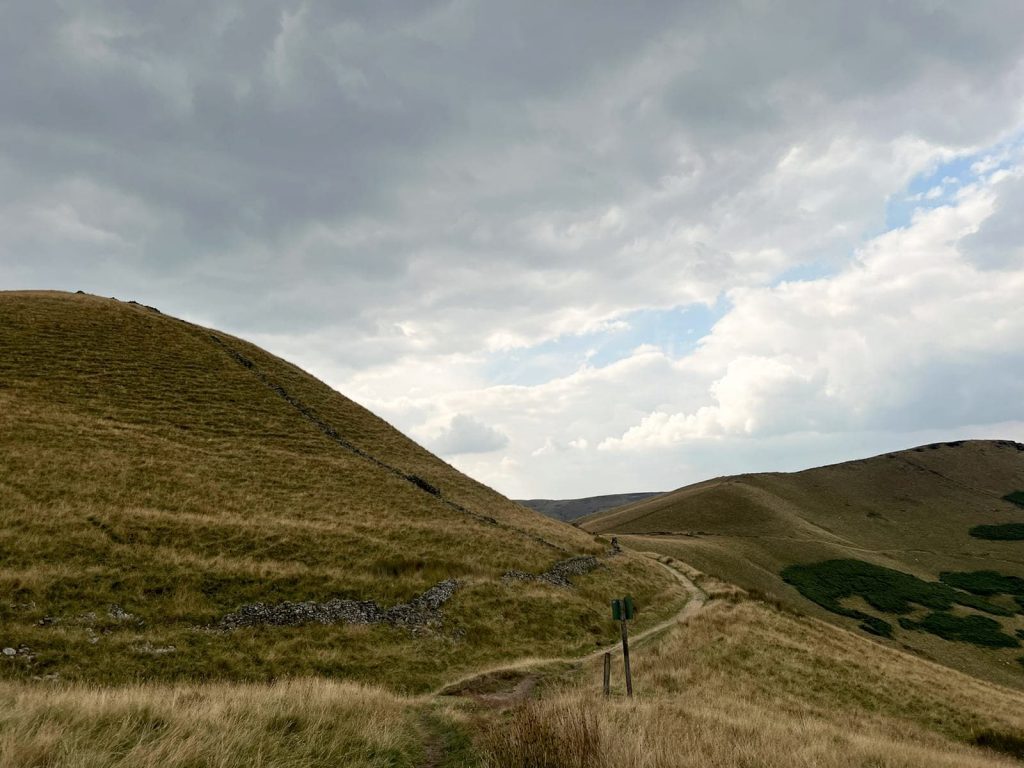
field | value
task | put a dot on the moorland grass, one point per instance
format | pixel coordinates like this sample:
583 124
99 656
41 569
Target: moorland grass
744 684
740 683
143 466
302 723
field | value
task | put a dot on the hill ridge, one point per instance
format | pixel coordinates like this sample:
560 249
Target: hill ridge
331 433
867 529
182 474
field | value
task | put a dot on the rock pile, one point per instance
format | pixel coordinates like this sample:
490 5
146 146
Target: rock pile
21 652
421 611
558 574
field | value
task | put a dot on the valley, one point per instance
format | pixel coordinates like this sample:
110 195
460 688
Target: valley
208 557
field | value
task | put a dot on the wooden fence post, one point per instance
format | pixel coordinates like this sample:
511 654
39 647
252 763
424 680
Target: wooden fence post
625 659
607 673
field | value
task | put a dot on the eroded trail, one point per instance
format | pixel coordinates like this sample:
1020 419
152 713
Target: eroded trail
471 685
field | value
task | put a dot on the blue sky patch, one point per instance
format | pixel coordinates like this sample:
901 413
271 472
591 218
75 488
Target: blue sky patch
675 331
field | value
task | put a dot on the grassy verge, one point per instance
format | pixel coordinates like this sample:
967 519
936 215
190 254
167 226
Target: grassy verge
745 684
307 723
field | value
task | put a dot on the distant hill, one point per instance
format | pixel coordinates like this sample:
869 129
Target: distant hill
568 510
178 503
924 546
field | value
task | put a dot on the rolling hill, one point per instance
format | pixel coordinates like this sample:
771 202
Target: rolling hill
568 510
917 546
178 504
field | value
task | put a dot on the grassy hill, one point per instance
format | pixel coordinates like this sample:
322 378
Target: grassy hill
740 683
916 546
571 509
178 504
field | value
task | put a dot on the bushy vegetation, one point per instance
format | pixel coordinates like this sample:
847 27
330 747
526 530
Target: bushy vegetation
979 630
1017 497
829 582
984 582
1001 532
1007 743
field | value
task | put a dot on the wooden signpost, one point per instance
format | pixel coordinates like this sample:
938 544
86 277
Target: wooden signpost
622 611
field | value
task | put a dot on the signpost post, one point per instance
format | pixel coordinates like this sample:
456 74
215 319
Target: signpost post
622 612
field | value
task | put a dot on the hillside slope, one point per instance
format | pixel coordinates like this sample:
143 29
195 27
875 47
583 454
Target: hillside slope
572 509
177 503
850 526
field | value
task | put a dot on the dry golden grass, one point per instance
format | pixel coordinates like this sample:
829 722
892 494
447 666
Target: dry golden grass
303 723
141 465
743 684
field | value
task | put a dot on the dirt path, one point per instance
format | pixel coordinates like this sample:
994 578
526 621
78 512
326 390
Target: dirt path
525 684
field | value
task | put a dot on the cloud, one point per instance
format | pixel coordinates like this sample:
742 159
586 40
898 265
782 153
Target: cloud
403 198
912 335
466 434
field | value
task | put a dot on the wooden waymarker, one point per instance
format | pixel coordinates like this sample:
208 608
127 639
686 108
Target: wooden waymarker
607 673
622 612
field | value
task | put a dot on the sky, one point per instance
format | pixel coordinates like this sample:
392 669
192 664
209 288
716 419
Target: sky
573 248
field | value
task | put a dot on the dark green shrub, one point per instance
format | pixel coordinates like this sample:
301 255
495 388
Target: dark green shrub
1004 532
1007 743
1017 497
876 626
984 582
828 582
979 630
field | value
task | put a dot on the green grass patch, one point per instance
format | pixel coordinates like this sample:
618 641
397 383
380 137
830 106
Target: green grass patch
984 582
1003 532
979 630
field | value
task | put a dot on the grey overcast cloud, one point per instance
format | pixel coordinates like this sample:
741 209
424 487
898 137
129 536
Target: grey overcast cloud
574 248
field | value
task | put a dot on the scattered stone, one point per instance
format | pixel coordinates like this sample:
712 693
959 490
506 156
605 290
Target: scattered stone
154 650
117 613
558 574
421 611
22 651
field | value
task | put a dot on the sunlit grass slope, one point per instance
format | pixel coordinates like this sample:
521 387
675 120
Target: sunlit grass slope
745 684
178 473
912 512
